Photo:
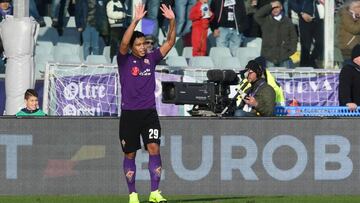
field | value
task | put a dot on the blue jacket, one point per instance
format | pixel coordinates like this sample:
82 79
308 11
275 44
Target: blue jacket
304 6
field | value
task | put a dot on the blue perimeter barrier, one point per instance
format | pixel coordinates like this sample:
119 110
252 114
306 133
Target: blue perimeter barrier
337 111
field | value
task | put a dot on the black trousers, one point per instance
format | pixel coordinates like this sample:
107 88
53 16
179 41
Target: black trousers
116 35
311 33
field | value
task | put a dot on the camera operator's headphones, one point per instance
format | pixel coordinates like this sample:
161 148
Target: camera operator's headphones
256 67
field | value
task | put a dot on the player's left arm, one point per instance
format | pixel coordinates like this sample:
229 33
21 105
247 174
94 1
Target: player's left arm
171 36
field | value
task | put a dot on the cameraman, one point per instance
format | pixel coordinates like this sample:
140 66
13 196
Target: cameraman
260 99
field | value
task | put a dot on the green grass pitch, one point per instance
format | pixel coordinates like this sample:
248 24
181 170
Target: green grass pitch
183 198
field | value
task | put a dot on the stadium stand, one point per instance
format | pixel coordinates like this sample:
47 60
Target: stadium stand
201 62
228 62
187 52
71 22
177 61
172 52
245 54
96 59
48 34
106 53
48 21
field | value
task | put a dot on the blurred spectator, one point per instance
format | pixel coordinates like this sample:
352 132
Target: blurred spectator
117 11
251 7
200 15
348 28
153 7
182 11
311 25
279 37
150 43
90 22
349 81
338 5
229 23
6 8
58 8
35 13
2 58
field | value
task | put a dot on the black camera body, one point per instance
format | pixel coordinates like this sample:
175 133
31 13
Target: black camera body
210 96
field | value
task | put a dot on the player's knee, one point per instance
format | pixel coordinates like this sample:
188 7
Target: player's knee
153 148
130 155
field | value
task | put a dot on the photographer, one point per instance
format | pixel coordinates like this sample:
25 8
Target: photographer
260 99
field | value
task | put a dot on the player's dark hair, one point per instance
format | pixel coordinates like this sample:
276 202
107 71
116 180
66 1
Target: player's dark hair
29 93
134 36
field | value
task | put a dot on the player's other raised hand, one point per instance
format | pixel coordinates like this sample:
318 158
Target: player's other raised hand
167 12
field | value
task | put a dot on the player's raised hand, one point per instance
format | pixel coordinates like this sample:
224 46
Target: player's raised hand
167 12
139 12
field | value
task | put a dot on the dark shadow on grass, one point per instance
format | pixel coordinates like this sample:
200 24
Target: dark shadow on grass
211 199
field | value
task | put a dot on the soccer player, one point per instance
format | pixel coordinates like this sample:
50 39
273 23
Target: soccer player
138 109
31 105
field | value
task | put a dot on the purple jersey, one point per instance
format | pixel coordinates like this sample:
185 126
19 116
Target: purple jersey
137 79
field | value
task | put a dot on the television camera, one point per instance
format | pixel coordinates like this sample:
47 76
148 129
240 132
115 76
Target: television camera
210 98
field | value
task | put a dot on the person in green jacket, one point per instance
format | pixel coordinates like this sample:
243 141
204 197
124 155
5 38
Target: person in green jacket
32 105
260 97
270 79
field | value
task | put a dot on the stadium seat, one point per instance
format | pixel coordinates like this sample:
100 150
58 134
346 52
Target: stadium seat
96 59
44 47
161 37
253 42
41 58
66 49
178 61
228 62
218 53
245 54
69 58
114 60
106 53
71 22
172 52
48 34
187 52
70 31
201 62
48 21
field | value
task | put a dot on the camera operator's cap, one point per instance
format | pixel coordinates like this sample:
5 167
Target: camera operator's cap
355 52
261 61
256 67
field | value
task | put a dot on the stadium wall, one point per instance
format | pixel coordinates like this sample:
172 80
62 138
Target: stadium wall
245 156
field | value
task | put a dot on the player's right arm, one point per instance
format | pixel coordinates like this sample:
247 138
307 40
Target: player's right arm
139 14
